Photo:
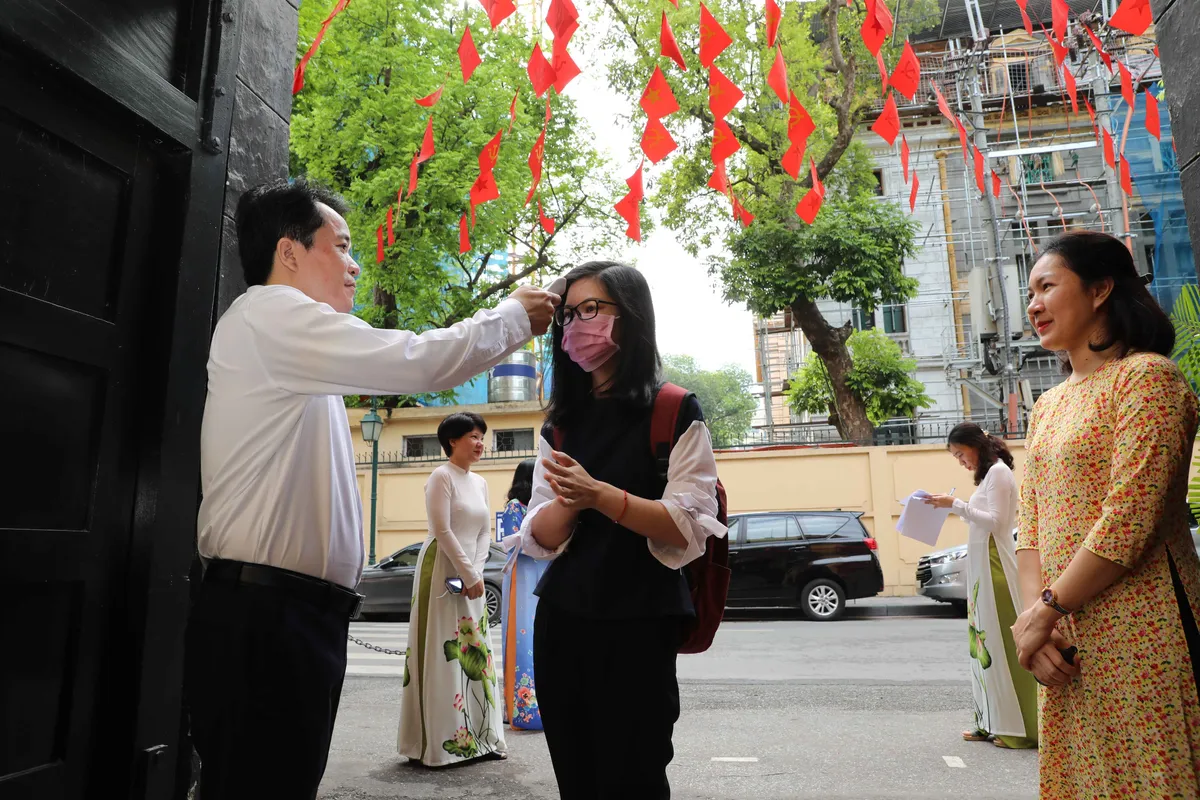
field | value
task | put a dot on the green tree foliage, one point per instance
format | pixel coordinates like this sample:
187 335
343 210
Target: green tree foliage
356 127
1186 316
778 262
724 396
880 377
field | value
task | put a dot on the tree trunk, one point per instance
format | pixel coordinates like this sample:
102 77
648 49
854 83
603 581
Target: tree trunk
849 414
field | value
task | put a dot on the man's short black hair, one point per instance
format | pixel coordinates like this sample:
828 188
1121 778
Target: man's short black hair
458 425
268 213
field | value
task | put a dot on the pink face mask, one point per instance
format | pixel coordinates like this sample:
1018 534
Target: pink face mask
589 342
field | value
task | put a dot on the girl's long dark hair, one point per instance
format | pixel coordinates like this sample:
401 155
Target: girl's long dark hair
522 482
1135 321
640 368
989 448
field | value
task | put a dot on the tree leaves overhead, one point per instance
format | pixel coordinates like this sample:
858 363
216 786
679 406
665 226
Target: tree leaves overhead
724 396
357 126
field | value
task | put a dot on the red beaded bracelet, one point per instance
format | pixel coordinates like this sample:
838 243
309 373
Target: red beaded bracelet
624 508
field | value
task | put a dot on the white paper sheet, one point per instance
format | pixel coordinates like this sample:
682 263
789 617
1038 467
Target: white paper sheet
921 521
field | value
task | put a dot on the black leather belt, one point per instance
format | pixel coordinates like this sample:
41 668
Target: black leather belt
324 595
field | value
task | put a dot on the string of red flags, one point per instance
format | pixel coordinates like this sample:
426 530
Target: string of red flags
800 127
1132 16
670 47
629 206
906 77
563 19
298 75
468 55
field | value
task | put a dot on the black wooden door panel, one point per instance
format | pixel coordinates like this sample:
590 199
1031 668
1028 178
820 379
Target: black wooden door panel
84 258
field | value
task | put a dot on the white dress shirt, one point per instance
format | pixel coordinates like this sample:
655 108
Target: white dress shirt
276 456
690 497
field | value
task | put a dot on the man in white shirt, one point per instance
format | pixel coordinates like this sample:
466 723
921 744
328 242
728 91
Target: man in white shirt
280 523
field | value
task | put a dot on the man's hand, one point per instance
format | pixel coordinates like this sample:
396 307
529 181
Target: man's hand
475 591
539 305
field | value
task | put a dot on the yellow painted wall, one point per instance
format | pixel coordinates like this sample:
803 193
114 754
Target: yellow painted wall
867 479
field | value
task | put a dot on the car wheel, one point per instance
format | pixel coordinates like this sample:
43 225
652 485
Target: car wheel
491 596
823 600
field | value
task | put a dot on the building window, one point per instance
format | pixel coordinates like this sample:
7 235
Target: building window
1018 77
422 447
862 320
878 182
894 320
518 441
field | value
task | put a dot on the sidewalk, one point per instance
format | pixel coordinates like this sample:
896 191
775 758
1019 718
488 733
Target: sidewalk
899 607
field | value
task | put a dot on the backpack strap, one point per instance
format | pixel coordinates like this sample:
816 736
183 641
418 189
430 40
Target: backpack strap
663 422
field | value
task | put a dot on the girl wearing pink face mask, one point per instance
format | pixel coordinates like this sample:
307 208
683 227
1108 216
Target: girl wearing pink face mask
619 533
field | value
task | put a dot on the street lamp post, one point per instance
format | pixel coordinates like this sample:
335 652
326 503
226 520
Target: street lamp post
372 426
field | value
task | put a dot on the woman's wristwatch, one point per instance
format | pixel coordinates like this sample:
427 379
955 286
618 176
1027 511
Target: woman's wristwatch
1050 598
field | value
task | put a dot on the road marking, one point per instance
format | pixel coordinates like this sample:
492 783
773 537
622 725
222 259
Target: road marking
735 759
954 762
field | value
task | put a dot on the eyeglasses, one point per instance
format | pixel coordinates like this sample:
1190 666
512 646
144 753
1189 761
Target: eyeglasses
588 309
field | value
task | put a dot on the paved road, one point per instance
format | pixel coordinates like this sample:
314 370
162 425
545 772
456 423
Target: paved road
854 710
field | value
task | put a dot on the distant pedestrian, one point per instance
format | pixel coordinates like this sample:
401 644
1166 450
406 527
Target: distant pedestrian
280 523
1106 560
450 702
521 576
614 604
1005 694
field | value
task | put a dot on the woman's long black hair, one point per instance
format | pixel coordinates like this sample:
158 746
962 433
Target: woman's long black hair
639 372
1134 320
522 482
989 448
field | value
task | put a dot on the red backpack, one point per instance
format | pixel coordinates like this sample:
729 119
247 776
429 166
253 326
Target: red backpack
708 575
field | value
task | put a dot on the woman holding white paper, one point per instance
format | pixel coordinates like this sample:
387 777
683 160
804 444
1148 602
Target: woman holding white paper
1005 694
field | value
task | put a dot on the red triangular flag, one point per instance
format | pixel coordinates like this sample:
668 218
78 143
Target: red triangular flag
670 47
298 75
498 10
943 106
1153 120
996 185
962 137
657 143
912 196
1060 12
490 154
719 182
535 163
774 16
468 56
743 216
906 78
429 101
904 153
800 124
724 143
1060 50
390 230
713 38
883 73
888 124
657 99
1027 21
379 245
1133 16
1109 156
427 149
1127 86
464 236
810 204
563 18
629 206
1092 116
1099 48
548 224
512 112
1126 178
541 74
1071 86
565 68
980 172
412 174
723 94
793 160
877 25
484 190
777 78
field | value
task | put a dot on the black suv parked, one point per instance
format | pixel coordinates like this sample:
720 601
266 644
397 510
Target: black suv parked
816 560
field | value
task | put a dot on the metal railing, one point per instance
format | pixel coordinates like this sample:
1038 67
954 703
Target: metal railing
393 459
892 432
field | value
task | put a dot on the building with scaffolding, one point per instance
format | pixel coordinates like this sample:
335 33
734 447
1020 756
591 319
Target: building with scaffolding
975 352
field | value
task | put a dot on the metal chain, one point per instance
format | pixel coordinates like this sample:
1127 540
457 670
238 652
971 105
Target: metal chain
375 647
